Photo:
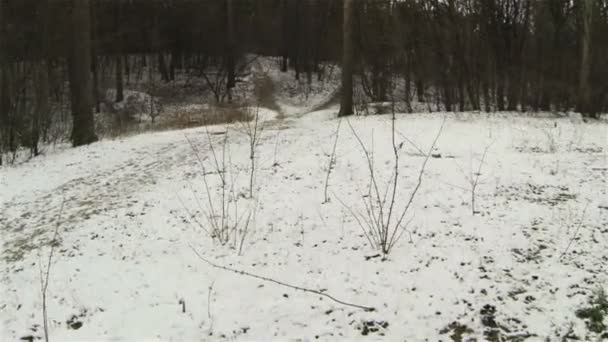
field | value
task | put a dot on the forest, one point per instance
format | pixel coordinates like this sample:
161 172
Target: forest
58 57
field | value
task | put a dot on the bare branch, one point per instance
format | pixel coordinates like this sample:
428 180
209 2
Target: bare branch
332 160
317 292
580 223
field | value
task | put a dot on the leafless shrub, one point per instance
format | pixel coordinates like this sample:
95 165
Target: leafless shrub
252 130
553 136
383 223
472 177
228 222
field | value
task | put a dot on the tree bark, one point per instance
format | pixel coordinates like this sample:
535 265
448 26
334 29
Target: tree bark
83 128
584 91
346 104
119 83
162 67
94 60
284 35
42 104
230 46
3 112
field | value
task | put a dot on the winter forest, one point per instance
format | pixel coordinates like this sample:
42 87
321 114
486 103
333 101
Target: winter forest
300 170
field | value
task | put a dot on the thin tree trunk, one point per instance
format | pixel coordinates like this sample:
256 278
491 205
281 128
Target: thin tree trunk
119 82
83 128
346 105
42 104
420 89
162 67
94 57
284 35
127 62
230 48
584 91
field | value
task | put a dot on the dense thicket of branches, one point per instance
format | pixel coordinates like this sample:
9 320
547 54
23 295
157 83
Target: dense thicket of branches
457 54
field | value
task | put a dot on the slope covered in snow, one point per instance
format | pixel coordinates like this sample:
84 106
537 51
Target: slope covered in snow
533 253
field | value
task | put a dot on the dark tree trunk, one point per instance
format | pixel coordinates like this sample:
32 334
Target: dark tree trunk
420 90
500 95
162 67
42 104
83 128
584 91
94 57
230 47
346 104
119 82
95 70
284 35
127 68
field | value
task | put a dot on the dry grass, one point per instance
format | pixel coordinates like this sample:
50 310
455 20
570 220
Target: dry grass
221 114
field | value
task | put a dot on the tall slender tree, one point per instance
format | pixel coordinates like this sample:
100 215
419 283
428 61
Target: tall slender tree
230 47
83 129
346 104
584 95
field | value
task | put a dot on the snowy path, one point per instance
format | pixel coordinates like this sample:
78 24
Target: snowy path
124 264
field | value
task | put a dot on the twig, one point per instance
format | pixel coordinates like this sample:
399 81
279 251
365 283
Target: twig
475 181
252 131
332 160
413 194
212 264
420 152
44 279
580 223
209 304
224 218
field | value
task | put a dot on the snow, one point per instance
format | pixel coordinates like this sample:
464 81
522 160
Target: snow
125 262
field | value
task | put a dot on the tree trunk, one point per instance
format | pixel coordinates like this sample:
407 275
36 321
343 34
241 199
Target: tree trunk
3 110
162 67
584 91
83 128
95 70
42 104
284 35
420 90
127 62
173 65
119 85
346 104
230 46
500 94
94 57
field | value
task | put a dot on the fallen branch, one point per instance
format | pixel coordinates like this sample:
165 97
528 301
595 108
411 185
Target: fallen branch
225 268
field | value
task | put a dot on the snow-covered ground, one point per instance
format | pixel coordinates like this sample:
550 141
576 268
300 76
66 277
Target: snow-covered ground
125 270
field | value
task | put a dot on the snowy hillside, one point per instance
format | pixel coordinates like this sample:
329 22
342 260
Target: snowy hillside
519 265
